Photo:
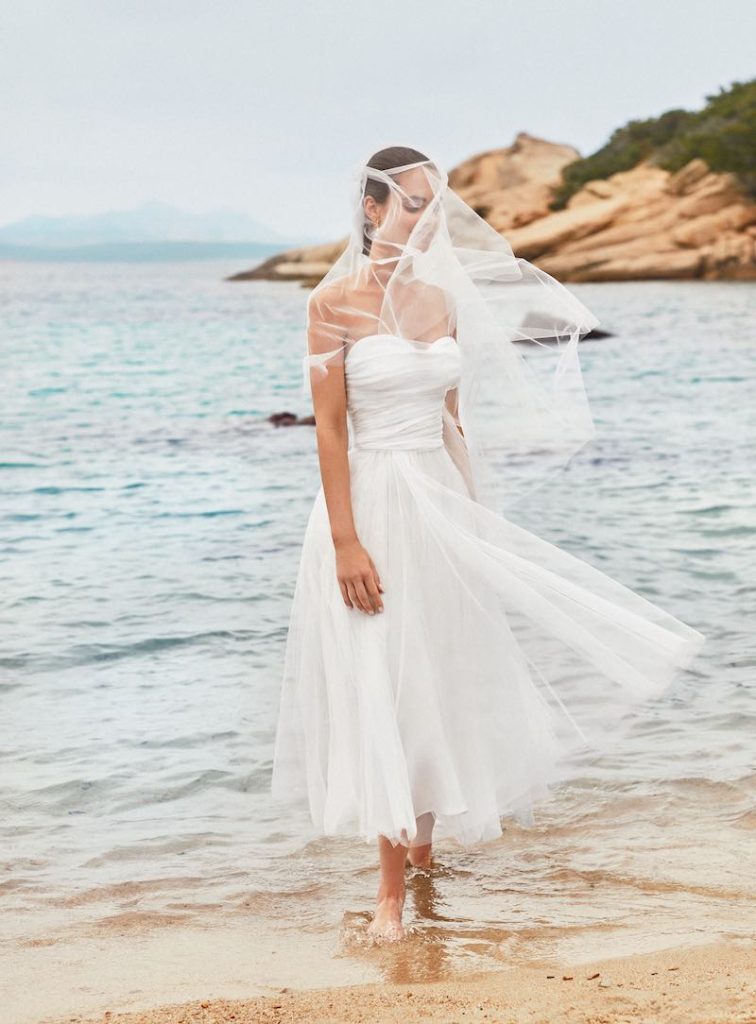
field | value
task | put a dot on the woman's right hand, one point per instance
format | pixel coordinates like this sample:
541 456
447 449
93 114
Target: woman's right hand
358 577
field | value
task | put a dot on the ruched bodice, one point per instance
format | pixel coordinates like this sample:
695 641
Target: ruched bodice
396 388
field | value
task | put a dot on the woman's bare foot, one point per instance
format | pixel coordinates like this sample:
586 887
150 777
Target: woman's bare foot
419 850
387 919
419 856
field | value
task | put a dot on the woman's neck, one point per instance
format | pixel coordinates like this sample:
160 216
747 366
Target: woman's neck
381 272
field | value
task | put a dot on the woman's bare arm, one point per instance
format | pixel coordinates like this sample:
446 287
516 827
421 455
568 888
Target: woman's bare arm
329 405
452 404
357 575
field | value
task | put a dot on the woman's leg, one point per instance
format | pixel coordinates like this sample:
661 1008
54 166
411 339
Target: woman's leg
387 920
419 852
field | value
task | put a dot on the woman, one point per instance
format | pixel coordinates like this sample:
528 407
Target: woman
442 664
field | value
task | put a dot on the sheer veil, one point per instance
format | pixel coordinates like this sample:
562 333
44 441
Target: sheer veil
421 264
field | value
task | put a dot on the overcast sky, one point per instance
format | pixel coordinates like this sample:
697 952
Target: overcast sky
266 106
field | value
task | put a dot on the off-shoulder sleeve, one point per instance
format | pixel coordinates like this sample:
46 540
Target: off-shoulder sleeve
326 344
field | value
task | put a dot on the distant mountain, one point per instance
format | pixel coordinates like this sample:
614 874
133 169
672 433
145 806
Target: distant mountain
153 222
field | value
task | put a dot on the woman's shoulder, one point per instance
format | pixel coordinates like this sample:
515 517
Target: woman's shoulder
331 293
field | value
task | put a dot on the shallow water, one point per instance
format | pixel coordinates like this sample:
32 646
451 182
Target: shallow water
152 521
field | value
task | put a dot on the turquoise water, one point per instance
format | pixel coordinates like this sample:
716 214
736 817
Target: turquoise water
151 527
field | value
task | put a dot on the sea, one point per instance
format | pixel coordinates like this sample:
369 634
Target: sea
152 519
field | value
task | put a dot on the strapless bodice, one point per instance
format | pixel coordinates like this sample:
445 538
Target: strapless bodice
396 388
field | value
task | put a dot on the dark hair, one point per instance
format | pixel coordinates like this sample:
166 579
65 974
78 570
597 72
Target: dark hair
384 160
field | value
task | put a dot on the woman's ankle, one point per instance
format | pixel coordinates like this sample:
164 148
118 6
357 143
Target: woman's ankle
391 893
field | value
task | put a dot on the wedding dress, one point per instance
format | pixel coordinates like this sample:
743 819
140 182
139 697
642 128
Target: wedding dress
498 656
437 703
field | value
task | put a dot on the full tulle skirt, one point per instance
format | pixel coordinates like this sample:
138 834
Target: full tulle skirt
498 658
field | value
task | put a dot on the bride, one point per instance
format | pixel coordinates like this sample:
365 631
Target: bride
442 664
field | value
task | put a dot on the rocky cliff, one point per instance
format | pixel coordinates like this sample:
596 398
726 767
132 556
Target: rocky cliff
644 223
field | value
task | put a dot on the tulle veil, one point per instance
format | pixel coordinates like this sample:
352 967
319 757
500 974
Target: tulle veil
520 411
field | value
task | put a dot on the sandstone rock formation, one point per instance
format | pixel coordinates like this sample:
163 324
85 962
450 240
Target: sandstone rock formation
512 187
648 223
645 223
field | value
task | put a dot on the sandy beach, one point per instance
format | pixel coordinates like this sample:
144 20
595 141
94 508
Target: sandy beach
713 983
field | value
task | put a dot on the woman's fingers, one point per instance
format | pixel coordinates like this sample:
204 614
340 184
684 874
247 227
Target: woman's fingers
362 596
353 595
362 589
377 575
372 588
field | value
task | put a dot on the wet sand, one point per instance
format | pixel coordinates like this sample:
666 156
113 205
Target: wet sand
713 983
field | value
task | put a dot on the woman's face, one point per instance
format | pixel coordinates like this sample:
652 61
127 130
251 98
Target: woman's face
403 208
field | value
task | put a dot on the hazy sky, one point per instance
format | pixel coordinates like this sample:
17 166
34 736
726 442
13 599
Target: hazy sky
266 106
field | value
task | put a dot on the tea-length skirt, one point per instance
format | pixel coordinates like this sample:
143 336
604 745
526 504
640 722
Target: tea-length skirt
497 658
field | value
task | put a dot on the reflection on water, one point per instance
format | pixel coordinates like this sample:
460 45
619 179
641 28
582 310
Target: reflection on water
152 521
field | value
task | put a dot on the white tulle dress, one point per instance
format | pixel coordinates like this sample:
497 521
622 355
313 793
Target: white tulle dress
498 655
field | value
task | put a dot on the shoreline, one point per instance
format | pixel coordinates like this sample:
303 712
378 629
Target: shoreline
711 983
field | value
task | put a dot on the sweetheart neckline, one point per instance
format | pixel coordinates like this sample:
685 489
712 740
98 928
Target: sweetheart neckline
399 337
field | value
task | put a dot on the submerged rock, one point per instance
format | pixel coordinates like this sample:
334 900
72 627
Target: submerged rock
290 419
